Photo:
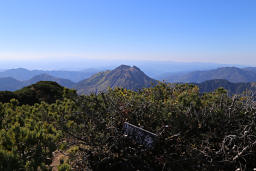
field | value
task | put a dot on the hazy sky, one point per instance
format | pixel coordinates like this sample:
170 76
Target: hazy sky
220 31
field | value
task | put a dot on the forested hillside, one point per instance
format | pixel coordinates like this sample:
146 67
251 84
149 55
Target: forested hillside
46 91
195 131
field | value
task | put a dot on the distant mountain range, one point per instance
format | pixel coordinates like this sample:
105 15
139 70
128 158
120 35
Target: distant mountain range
22 74
45 77
122 76
154 69
11 84
235 80
231 74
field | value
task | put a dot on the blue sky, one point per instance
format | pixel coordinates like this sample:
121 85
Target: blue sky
219 31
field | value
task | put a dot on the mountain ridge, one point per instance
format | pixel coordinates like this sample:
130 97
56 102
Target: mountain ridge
232 74
22 74
11 84
46 77
123 76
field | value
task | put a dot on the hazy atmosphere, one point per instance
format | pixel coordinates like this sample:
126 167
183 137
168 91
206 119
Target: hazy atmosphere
127 85
63 34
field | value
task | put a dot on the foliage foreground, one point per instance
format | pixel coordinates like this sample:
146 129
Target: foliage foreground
195 131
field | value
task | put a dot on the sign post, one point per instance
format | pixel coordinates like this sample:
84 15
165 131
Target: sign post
140 135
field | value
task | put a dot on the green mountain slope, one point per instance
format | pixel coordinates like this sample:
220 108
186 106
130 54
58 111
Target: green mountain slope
46 91
123 76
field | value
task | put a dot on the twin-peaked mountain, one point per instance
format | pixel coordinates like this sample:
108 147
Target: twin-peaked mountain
123 76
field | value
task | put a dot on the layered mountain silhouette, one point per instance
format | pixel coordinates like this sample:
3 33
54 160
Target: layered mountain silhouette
22 74
11 84
123 76
235 80
231 74
45 77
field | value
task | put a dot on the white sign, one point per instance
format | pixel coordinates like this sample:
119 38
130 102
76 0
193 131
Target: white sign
140 135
